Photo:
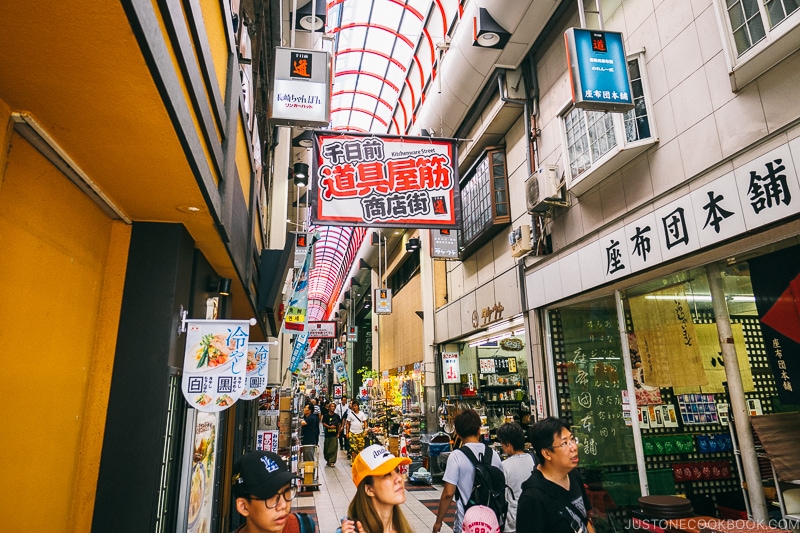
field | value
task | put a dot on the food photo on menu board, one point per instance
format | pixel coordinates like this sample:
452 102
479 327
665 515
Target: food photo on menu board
201 480
215 363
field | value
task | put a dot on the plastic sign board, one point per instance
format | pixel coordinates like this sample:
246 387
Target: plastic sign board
444 244
322 330
338 390
598 70
301 88
451 372
300 249
352 334
384 181
383 301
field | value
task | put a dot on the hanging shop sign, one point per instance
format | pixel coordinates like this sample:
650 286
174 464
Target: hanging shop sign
256 378
513 344
352 334
444 244
776 286
383 301
757 193
486 365
301 88
301 249
214 363
384 181
338 390
451 371
322 330
598 70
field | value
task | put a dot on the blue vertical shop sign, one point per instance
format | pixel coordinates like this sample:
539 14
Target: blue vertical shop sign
598 70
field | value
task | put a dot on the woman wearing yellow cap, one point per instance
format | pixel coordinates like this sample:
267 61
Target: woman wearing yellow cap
380 492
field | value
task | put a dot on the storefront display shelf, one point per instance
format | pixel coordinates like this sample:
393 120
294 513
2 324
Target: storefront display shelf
500 387
504 402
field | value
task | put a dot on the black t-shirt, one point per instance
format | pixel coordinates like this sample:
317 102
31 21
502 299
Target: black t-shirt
542 507
309 434
331 420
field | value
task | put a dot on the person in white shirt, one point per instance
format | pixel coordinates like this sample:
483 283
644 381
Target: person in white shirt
518 467
356 428
343 409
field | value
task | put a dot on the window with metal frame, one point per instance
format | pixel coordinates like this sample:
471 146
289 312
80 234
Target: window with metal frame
752 20
592 134
484 200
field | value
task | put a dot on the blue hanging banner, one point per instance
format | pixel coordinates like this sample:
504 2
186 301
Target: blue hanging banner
298 353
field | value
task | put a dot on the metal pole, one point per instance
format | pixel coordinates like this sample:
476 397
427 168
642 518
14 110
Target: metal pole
626 360
744 432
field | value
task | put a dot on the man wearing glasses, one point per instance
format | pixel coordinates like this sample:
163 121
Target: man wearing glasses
553 499
263 489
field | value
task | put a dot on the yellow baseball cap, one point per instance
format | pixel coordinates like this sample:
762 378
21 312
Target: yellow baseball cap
375 460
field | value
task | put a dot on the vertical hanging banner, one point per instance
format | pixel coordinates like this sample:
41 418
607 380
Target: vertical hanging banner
298 353
294 321
214 363
256 378
384 181
339 369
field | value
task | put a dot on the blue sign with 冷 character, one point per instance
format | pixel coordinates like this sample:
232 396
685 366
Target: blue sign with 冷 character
598 70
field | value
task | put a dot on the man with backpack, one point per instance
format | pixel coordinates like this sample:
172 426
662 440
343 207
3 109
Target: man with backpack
474 474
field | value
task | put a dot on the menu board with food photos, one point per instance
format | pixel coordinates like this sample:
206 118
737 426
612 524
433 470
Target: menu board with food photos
201 474
596 374
215 363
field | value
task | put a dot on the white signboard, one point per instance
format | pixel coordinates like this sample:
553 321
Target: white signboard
451 372
352 334
383 301
384 181
321 330
256 377
215 363
301 88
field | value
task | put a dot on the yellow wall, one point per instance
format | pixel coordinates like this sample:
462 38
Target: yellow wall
401 332
62 265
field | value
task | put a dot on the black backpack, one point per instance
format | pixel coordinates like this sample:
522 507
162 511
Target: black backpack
489 485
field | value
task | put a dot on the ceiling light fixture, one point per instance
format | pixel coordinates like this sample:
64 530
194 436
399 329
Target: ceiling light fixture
304 140
486 32
300 174
413 245
304 19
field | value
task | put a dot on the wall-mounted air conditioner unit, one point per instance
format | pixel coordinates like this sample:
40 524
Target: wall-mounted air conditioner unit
541 189
520 240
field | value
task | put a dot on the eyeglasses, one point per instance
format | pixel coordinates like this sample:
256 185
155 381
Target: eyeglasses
288 495
566 443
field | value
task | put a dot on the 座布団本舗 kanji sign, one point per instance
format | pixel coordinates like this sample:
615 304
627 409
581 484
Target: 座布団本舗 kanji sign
390 181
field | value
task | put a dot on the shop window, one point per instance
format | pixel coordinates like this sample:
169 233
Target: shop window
599 143
404 273
759 33
484 201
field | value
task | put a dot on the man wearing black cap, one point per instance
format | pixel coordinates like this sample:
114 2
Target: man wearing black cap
263 488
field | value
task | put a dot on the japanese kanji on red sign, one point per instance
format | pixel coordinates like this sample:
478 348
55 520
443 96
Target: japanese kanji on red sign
384 181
